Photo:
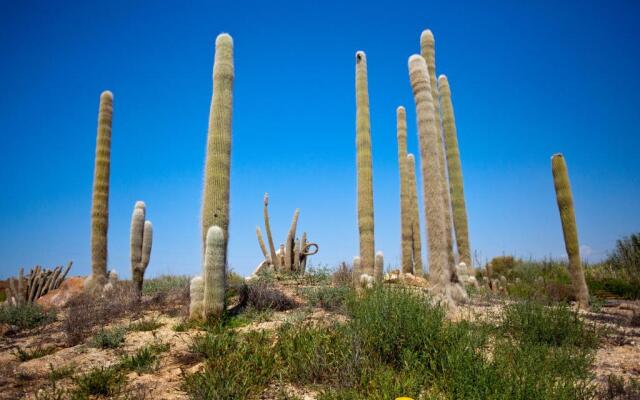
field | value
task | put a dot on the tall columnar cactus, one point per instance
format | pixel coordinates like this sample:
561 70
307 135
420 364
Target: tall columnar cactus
405 219
290 244
263 248
215 203
414 217
100 201
428 51
456 187
433 201
215 274
196 296
364 167
569 229
267 227
378 274
141 241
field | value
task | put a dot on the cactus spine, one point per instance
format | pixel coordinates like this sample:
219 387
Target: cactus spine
405 217
215 204
214 273
414 217
433 201
428 50
364 167
456 187
378 273
141 241
100 201
569 229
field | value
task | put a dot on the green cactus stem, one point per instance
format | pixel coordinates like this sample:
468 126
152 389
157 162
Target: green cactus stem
364 166
141 241
456 188
564 198
267 227
405 219
433 201
414 216
215 203
262 245
290 243
100 200
214 274
428 51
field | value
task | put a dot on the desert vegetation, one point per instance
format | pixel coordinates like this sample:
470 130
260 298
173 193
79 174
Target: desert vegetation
447 329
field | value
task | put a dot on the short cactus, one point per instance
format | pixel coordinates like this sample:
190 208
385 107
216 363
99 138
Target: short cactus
141 241
364 166
414 214
458 206
196 296
215 203
433 201
100 201
564 198
405 201
378 273
356 270
428 51
214 274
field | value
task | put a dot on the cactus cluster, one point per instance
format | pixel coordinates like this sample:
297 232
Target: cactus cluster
39 281
141 241
564 197
292 256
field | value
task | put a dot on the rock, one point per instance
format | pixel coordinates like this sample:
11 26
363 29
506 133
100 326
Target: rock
60 297
264 266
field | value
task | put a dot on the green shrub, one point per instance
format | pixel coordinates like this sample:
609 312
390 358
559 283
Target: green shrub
26 316
312 355
165 283
235 366
329 298
626 255
99 381
109 338
144 359
144 325
30 354
557 325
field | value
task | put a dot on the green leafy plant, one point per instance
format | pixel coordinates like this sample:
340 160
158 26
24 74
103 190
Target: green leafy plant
26 316
24 354
109 338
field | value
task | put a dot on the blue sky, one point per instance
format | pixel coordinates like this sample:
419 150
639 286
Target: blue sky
527 81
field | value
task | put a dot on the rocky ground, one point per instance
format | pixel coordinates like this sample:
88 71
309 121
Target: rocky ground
619 353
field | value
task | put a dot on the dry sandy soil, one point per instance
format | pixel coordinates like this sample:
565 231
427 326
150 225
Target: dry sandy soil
619 353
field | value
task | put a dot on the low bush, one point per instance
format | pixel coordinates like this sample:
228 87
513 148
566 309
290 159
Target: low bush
30 354
144 359
262 296
619 388
26 316
397 343
556 325
235 366
100 381
165 283
330 298
108 338
144 325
